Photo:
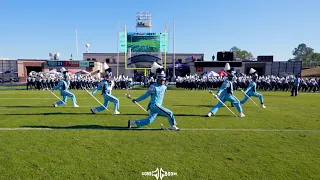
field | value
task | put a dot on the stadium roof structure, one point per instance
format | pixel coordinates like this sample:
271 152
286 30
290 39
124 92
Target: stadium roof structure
144 58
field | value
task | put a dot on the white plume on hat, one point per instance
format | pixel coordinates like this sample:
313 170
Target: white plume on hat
105 66
63 69
155 66
252 71
227 67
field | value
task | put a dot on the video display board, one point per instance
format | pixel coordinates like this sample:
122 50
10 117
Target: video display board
143 42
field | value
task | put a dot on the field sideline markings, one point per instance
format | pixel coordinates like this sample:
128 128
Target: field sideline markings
253 130
182 129
131 105
101 97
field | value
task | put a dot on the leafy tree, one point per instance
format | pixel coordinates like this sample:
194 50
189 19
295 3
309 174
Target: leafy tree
235 49
305 54
241 54
315 59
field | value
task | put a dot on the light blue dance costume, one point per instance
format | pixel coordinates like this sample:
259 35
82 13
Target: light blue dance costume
225 93
65 93
106 93
156 91
252 91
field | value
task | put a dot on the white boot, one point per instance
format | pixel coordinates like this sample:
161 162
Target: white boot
242 115
55 105
263 106
209 114
174 127
75 105
116 112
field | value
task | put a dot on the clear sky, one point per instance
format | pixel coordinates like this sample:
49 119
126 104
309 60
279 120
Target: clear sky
31 29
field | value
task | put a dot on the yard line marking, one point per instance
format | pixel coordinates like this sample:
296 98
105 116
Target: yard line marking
171 105
182 129
252 130
16 107
119 97
28 98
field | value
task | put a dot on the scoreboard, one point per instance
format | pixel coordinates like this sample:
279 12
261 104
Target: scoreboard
70 64
143 42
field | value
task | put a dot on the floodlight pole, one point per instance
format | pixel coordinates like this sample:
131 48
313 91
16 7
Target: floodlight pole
125 42
77 42
118 55
143 20
174 55
165 49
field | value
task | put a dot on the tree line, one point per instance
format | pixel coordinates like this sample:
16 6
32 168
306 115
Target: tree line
307 55
303 53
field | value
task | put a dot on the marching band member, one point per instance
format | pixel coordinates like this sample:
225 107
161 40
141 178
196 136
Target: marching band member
252 89
225 93
106 87
63 86
156 91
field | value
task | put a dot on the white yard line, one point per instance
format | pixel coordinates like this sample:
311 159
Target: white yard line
182 129
171 105
187 97
252 130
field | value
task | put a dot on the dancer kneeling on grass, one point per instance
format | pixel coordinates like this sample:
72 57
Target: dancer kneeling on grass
63 86
156 91
225 93
106 88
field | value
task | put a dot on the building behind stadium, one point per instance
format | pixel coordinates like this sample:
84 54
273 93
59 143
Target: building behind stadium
190 63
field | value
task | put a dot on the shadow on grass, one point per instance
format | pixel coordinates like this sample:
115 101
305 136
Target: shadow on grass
91 127
189 105
50 113
184 115
176 115
89 113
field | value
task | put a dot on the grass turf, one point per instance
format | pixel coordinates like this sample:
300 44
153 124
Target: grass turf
153 43
85 146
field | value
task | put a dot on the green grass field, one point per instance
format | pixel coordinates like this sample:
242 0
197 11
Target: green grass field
280 142
140 45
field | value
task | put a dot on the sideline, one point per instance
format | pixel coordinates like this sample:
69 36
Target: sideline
182 129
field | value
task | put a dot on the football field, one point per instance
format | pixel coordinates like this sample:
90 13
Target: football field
38 141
